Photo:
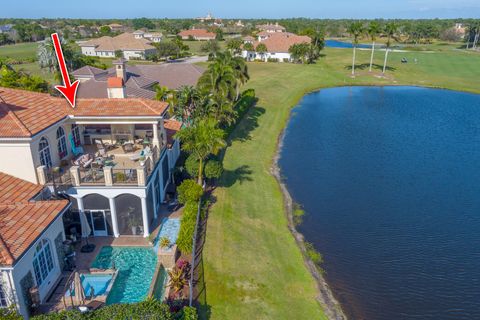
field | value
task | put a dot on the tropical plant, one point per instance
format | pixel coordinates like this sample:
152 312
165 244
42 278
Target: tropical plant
187 227
189 191
162 93
213 169
390 30
355 29
164 242
234 45
249 46
189 313
261 50
11 78
299 52
202 139
373 31
176 281
187 104
191 165
211 47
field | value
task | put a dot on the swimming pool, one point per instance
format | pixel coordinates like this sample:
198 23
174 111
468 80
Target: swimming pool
170 228
101 284
136 267
158 289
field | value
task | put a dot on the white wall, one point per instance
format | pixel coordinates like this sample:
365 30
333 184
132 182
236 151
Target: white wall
128 54
25 264
251 56
16 160
89 51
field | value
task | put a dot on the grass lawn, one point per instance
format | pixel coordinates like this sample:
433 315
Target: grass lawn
253 268
19 51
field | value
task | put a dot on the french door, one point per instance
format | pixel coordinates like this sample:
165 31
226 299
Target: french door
99 223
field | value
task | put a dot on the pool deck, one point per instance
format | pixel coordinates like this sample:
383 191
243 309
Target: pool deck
84 260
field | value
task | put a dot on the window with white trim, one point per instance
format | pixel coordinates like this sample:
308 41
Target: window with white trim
76 135
42 261
61 143
44 153
3 296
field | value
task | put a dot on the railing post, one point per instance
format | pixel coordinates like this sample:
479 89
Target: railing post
42 175
107 173
141 176
75 174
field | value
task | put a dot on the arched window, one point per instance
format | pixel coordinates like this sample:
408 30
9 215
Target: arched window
3 297
76 135
44 152
42 261
61 143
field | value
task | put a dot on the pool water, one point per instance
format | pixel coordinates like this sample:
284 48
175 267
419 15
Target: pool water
170 228
160 284
136 267
99 283
346 45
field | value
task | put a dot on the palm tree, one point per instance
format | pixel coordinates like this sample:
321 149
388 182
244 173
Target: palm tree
185 103
202 139
262 49
390 30
219 79
162 93
355 29
240 69
373 31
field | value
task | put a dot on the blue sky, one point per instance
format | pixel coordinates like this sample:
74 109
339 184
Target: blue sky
242 8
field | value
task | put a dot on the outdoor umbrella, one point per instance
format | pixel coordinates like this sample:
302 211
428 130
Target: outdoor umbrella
86 230
79 297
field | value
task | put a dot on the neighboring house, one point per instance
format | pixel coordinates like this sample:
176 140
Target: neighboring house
85 31
248 39
127 43
115 27
150 36
6 28
197 34
42 140
31 241
139 79
460 30
278 45
271 28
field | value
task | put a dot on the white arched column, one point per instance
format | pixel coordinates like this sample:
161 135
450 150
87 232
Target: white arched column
145 217
113 213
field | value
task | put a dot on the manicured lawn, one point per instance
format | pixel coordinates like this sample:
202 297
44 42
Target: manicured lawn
253 268
19 51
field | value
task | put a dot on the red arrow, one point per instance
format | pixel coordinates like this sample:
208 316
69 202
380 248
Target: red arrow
69 90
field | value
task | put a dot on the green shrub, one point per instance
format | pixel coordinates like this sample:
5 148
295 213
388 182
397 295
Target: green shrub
314 255
191 165
149 309
298 214
213 169
11 314
189 313
189 191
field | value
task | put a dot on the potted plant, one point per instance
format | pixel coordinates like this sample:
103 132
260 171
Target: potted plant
133 221
164 242
142 160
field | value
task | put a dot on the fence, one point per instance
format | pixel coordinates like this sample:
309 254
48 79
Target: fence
124 176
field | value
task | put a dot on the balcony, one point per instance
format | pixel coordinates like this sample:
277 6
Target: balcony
112 166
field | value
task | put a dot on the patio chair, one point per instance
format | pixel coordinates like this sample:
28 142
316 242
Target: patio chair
128 147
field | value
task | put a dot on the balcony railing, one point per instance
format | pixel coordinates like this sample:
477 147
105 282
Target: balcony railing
100 176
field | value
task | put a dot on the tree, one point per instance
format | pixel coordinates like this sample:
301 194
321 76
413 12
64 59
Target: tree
249 46
118 54
105 31
355 29
211 47
11 78
235 45
261 49
219 79
201 140
161 93
188 104
189 191
299 52
218 34
316 45
213 169
140 23
166 50
373 31
390 30
47 58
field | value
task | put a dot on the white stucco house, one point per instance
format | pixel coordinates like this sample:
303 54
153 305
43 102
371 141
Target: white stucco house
129 44
150 36
277 44
111 162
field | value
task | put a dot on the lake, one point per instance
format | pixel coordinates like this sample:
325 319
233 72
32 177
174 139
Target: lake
389 179
346 45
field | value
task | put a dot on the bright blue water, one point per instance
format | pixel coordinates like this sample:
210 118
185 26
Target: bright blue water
169 228
390 182
136 269
345 45
99 283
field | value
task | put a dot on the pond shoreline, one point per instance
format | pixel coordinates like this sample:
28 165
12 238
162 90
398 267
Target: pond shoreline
325 297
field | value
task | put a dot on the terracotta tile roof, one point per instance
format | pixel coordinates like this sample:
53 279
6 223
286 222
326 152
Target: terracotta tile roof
24 113
171 127
114 82
282 41
202 33
124 41
22 220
